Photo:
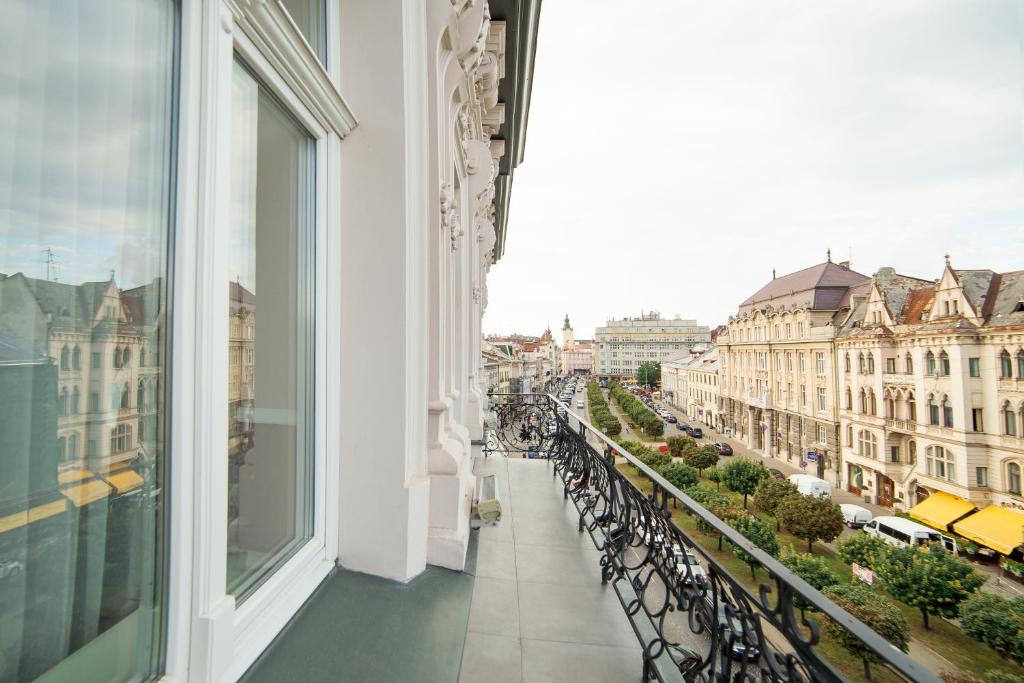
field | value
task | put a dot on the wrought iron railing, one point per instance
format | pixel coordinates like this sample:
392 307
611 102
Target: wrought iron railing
695 622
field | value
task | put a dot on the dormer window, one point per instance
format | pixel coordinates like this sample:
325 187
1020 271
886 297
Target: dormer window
1019 308
956 307
945 307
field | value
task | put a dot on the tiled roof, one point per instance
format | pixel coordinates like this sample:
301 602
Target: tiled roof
1007 294
826 285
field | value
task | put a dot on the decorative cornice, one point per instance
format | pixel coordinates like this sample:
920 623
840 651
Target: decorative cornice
450 223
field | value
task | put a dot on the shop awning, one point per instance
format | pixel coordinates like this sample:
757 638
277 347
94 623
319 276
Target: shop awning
125 481
33 514
1001 529
941 509
89 492
72 476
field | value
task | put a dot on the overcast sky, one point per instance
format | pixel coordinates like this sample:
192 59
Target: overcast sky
678 151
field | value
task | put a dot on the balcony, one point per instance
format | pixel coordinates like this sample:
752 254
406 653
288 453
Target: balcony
898 425
898 378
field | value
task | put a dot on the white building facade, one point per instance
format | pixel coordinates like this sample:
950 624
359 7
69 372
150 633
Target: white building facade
623 345
702 395
281 251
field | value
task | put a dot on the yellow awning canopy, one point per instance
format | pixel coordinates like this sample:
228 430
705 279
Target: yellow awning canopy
73 475
89 492
125 481
940 509
33 514
1001 529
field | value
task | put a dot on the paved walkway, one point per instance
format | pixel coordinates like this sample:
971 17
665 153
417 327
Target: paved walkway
539 613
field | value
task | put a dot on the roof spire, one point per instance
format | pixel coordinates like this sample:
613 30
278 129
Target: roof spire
773 273
829 255
947 260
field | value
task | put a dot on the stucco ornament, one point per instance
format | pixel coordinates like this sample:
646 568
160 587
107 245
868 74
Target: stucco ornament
450 215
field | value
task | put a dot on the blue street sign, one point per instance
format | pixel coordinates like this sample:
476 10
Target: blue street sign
811 456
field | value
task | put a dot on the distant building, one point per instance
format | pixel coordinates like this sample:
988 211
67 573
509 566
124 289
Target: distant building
577 355
623 345
702 392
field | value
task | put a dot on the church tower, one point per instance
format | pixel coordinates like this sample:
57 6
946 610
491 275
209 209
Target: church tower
567 340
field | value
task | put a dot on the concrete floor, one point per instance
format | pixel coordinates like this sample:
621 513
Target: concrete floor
539 612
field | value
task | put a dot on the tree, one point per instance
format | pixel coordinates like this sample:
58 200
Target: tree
812 569
877 612
812 519
742 475
758 533
677 445
701 458
648 373
715 475
770 493
863 549
929 579
995 621
679 475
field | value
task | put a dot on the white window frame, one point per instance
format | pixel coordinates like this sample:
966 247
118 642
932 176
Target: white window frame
208 637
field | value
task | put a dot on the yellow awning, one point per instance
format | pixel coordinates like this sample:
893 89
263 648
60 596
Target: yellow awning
941 509
33 514
73 475
1001 529
89 492
125 481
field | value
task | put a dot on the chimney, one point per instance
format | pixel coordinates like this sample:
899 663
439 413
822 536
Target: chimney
845 265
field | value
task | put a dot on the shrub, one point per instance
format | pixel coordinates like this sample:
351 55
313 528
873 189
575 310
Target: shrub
809 518
812 569
655 459
995 621
757 532
679 475
863 549
742 475
715 475
929 579
876 611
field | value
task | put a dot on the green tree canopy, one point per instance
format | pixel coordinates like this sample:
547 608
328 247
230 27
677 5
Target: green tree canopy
930 579
701 458
679 475
812 519
649 372
742 475
770 493
760 534
863 549
995 621
812 569
877 612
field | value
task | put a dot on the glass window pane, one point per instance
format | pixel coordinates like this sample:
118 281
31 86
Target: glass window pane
270 354
87 117
309 16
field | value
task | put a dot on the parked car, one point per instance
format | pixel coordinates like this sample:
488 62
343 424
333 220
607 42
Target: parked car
683 427
672 418
723 448
904 532
854 515
579 405
696 432
682 558
811 486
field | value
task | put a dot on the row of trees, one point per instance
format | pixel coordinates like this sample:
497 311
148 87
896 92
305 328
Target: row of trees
650 423
600 414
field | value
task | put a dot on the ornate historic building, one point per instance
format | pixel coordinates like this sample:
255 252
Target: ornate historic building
777 364
932 387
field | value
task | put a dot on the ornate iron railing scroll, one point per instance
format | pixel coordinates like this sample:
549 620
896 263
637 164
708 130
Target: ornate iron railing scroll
694 620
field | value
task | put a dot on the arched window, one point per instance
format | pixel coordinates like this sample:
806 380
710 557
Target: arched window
867 444
142 357
872 403
933 411
75 396
890 407
912 452
120 438
62 402
76 358
947 412
1013 478
126 396
126 357
1009 420
1020 364
871 363
117 356
140 396
860 363
863 402
1005 366
65 357
909 363
849 435
944 364
72 446
929 361
849 399
911 407
941 463
62 449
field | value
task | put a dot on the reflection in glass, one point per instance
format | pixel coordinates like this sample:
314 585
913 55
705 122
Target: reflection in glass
270 354
309 16
86 167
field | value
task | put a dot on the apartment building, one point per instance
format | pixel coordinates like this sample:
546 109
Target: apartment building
932 388
777 365
623 345
702 389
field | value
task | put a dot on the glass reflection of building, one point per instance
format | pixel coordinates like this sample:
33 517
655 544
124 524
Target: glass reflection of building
241 388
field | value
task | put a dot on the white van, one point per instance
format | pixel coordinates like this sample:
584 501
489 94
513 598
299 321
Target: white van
811 486
854 515
904 532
